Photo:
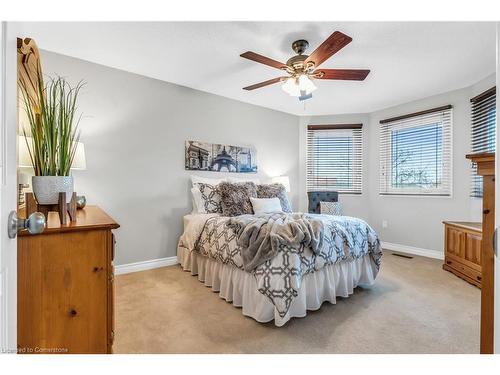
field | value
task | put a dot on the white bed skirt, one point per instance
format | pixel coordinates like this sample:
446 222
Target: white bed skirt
240 287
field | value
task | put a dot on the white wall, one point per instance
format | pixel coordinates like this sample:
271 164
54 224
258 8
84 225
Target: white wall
134 129
417 221
412 221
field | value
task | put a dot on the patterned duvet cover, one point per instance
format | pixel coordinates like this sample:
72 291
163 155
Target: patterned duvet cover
279 279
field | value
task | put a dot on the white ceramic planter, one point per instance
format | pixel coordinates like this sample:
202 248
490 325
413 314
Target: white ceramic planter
47 188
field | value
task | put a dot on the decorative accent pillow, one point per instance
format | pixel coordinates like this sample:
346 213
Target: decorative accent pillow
210 199
330 208
275 191
236 198
265 205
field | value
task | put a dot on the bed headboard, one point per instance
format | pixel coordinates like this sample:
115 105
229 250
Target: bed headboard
320 196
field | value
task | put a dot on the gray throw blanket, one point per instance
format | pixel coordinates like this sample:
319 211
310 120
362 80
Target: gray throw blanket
260 236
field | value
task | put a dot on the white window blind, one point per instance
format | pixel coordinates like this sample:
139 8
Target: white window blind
483 133
334 158
415 153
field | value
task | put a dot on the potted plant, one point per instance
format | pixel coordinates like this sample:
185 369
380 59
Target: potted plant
54 135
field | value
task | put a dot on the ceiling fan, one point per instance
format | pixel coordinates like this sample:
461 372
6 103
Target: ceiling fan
302 69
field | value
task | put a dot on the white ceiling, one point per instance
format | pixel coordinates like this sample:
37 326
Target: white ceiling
408 61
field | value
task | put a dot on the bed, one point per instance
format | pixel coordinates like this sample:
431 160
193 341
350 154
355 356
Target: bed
295 280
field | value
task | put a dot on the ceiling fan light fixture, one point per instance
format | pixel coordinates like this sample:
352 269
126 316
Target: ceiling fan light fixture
291 86
298 86
305 84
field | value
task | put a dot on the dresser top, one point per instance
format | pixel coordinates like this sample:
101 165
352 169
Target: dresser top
481 156
466 225
88 218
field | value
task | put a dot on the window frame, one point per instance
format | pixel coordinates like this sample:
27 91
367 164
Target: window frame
417 120
357 159
479 104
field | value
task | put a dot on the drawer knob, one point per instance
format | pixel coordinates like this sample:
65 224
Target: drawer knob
486 211
97 269
478 278
72 312
448 262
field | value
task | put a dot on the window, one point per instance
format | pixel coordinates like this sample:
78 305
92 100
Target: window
334 158
483 118
415 153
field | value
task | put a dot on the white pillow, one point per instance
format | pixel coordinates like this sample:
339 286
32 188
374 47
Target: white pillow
198 207
265 205
206 180
255 180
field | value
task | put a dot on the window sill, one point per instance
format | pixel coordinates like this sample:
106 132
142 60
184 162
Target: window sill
403 195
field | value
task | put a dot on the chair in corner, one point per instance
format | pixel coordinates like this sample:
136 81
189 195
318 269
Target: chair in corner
315 197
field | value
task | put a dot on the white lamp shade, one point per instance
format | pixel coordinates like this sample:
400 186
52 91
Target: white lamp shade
283 180
305 84
25 160
298 86
23 178
291 87
79 161
24 155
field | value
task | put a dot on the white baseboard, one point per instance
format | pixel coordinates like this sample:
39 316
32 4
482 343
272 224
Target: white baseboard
413 250
145 265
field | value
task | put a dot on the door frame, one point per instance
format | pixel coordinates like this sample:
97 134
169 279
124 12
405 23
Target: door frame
496 323
8 187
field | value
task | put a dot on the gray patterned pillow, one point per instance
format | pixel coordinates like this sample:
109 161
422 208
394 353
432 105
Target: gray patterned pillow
275 191
236 197
210 198
330 208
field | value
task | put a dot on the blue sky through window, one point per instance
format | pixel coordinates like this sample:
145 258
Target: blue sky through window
417 157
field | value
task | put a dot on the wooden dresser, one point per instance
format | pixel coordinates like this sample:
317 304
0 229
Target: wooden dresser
65 285
462 250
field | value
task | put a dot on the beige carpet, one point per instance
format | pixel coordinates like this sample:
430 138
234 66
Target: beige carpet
414 307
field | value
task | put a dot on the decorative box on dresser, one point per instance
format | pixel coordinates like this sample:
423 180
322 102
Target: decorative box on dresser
462 250
65 288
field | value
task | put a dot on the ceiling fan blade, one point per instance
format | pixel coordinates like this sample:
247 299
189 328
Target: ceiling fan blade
263 60
262 84
328 48
343 74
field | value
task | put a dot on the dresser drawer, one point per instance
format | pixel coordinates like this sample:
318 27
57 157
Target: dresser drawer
469 273
462 248
62 292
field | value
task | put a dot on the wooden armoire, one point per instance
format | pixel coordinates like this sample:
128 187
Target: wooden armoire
486 168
